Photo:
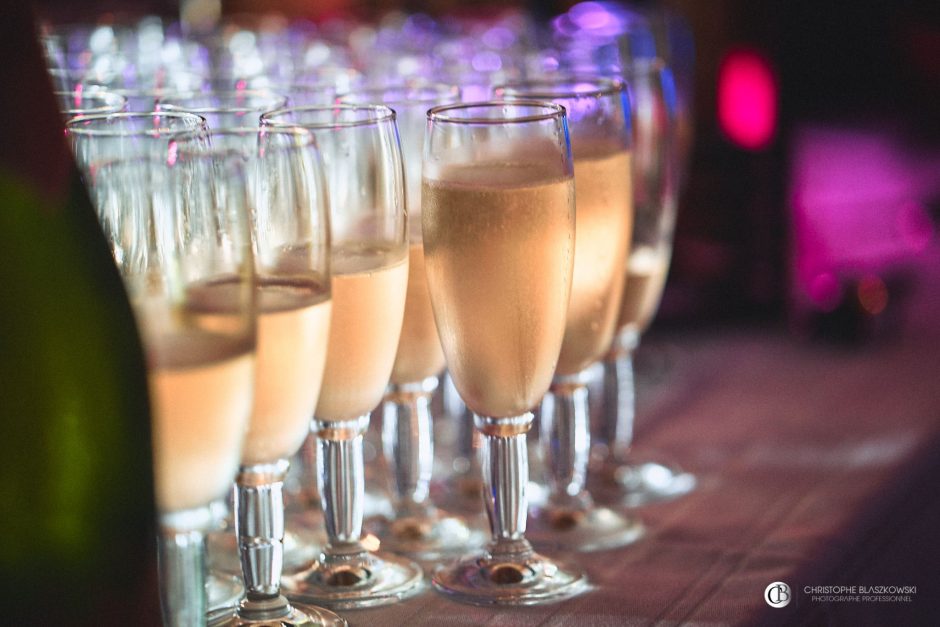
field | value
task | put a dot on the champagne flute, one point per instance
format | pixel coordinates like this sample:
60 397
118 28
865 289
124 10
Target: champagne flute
101 138
599 124
167 212
290 228
362 157
417 527
653 95
98 139
233 115
499 227
655 201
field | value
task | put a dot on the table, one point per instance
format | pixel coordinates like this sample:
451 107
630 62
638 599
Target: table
817 466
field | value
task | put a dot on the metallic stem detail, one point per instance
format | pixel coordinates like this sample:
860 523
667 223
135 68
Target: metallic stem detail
181 559
505 463
341 477
408 442
619 403
565 440
259 525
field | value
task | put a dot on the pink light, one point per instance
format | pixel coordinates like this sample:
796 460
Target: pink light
747 99
824 290
172 154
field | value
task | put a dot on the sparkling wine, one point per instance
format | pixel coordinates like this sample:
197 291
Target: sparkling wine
498 244
419 350
201 384
369 284
646 276
293 326
604 220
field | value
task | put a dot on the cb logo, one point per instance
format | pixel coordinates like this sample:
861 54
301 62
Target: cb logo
777 594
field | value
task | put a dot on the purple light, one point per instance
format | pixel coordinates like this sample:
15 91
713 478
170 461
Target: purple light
591 16
499 37
915 226
474 92
597 20
564 26
857 211
486 62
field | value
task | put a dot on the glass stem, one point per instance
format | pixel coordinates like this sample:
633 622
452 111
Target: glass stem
341 477
565 440
259 526
408 443
181 559
505 462
619 398
309 495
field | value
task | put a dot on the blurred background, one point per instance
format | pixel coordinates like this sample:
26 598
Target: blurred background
812 190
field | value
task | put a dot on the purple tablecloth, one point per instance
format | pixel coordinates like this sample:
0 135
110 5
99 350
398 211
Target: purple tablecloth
817 467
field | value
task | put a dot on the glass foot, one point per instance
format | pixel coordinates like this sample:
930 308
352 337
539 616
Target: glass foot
275 613
650 482
223 591
354 579
510 578
590 529
428 536
304 539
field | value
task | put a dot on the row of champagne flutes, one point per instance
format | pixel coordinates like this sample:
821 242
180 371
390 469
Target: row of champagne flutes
314 64
493 153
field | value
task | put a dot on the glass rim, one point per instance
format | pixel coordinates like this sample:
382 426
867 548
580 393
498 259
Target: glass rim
99 102
258 132
296 130
381 114
167 100
75 125
543 88
552 111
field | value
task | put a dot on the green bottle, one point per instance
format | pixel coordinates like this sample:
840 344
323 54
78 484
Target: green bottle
76 488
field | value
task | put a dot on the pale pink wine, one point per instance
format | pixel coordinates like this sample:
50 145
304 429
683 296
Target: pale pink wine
369 284
604 201
201 388
499 248
419 352
647 268
293 326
